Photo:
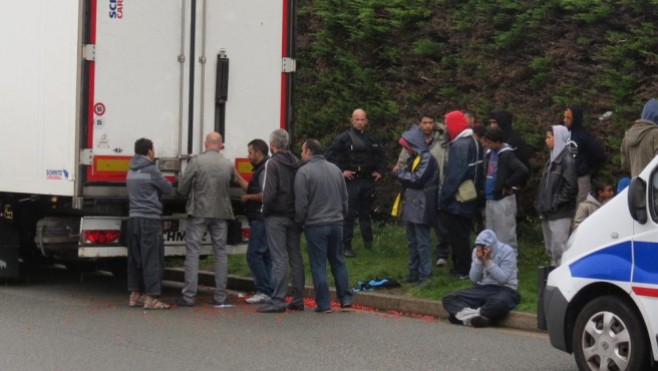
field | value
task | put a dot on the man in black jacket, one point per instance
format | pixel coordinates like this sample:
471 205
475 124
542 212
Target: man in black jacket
282 231
362 160
505 175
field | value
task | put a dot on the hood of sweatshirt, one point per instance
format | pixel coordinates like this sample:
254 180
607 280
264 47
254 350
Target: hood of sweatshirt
414 136
140 162
561 137
455 123
503 119
577 113
487 238
286 158
650 111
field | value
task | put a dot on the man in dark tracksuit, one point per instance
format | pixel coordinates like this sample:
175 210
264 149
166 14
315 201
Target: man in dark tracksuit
145 186
362 159
281 229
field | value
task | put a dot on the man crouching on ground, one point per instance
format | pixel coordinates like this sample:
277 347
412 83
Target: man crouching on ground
494 271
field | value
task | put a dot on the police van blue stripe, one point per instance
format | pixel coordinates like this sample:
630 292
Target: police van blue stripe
646 257
612 263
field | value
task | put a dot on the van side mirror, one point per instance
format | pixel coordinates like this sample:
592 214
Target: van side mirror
637 200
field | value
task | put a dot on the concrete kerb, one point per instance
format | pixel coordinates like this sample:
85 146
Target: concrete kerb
379 301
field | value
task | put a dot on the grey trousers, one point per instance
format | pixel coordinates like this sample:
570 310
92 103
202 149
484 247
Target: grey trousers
584 188
283 239
196 227
556 234
501 218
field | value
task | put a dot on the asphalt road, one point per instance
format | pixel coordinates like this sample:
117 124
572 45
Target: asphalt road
58 321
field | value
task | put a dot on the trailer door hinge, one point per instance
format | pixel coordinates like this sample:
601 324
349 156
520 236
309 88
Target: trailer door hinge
288 65
89 52
86 156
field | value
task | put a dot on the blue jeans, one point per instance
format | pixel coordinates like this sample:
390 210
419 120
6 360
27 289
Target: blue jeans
325 242
420 251
258 258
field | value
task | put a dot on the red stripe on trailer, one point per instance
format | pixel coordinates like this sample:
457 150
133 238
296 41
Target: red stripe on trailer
284 53
91 87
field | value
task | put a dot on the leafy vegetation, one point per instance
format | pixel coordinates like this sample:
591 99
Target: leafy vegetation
533 57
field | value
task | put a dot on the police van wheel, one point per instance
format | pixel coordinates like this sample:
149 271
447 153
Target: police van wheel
609 335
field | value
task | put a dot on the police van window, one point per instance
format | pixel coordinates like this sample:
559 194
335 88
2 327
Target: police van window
653 196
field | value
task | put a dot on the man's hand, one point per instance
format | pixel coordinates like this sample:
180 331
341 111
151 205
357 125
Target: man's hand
396 168
244 198
376 175
348 174
486 253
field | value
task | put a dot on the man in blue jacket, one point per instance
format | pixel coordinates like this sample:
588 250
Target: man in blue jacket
494 272
420 178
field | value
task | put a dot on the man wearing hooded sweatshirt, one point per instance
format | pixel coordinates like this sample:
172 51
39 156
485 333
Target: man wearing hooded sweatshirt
503 120
640 143
556 195
282 231
589 156
436 137
146 186
420 178
464 164
494 272
505 175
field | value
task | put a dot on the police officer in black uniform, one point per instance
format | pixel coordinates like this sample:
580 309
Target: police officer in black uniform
362 159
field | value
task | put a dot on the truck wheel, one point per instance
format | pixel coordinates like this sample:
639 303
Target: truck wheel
609 335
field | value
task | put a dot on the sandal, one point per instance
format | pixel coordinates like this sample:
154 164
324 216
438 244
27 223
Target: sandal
136 300
155 304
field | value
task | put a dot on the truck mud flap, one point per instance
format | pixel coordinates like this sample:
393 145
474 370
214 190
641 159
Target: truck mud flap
9 251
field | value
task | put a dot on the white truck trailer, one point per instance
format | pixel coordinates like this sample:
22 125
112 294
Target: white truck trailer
81 80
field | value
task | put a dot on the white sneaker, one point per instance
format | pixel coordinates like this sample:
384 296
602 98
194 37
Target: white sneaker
466 314
441 262
258 299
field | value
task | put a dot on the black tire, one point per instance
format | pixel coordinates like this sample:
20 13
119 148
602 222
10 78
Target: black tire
610 335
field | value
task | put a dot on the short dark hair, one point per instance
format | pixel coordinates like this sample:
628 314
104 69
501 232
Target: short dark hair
142 146
496 135
479 130
425 114
314 146
600 185
260 146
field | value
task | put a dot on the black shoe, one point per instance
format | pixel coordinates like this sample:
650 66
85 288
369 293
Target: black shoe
323 310
349 254
346 305
480 321
452 319
270 308
183 303
216 303
411 279
296 307
421 282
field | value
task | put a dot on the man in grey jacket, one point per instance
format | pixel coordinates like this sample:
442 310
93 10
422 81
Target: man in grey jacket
321 206
145 186
282 232
206 182
494 272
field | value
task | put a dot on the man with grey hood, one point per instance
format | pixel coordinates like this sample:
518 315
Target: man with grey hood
640 143
145 185
494 272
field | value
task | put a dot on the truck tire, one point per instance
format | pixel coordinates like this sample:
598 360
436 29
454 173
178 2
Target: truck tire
609 335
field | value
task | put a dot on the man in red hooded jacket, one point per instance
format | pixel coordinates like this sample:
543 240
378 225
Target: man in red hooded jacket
464 163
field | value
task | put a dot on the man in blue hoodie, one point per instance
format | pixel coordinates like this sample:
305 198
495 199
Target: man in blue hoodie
494 272
640 144
146 186
420 178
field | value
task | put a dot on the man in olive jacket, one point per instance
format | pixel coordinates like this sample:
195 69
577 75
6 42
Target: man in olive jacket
206 181
640 144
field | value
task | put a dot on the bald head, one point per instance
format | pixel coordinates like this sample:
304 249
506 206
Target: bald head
214 141
359 119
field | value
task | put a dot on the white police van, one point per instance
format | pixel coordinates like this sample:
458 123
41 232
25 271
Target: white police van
602 303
